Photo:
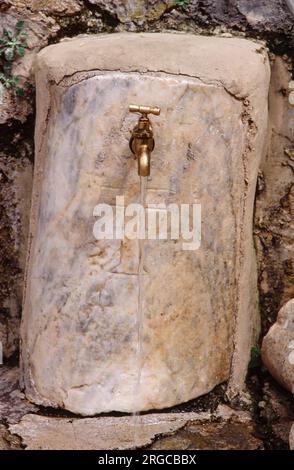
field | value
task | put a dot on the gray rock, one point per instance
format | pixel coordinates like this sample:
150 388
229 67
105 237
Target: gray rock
107 433
274 204
132 11
13 405
291 438
290 4
226 428
260 16
278 347
15 197
262 13
126 432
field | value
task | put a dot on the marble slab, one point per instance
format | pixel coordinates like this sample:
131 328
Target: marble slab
79 330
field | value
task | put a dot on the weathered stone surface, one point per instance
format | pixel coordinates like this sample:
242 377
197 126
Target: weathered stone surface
227 435
259 16
224 429
39 28
277 405
226 413
15 196
125 432
281 430
54 7
12 107
274 208
83 308
7 441
278 347
13 405
291 438
41 432
44 19
4 445
135 11
290 4
263 13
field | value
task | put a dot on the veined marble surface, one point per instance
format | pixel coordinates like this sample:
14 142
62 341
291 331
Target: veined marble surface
79 329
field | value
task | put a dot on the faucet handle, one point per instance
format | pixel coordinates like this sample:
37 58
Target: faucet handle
134 108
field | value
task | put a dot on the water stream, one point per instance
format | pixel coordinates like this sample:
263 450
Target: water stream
140 319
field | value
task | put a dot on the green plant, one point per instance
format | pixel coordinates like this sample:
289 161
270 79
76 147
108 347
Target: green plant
182 4
12 46
255 361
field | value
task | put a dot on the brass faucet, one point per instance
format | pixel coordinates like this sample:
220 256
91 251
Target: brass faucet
142 141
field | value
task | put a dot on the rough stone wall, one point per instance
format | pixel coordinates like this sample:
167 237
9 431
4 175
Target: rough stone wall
49 21
274 214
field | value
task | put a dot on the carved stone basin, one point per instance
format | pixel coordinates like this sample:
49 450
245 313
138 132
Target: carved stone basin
79 337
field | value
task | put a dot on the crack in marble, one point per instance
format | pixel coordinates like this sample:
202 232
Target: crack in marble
203 80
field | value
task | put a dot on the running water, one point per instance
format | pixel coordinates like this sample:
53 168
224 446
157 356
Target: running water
140 318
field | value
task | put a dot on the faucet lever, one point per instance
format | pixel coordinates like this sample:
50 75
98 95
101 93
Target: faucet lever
134 108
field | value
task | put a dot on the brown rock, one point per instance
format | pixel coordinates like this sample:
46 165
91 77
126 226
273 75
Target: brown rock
228 435
15 197
39 29
277 404
4 445
8 441
281 429
54 7
12 106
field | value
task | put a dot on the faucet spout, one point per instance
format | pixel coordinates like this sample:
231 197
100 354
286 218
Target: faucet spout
142 141
144 161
